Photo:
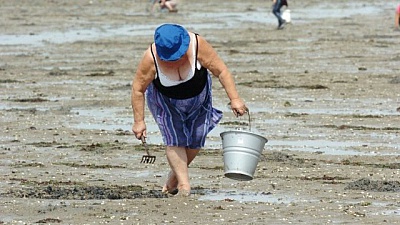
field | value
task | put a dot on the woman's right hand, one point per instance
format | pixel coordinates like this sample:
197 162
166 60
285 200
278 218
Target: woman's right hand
139 129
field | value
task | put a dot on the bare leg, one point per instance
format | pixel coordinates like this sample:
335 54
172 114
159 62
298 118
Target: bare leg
154 6
179 158
171 6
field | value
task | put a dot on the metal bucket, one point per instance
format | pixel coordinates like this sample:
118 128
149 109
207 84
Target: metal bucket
241 153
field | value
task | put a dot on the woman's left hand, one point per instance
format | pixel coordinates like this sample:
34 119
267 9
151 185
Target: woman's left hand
238 107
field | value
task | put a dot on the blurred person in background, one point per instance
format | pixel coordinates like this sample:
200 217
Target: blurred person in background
276 10
171 5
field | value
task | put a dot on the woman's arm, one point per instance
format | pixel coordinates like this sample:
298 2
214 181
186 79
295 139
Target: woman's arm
209 58
396 20
145 73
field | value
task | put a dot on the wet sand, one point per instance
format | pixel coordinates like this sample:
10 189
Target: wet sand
323 91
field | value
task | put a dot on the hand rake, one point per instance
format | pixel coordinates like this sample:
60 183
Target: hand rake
150 159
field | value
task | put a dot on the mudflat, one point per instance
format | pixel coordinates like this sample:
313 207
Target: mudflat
324 91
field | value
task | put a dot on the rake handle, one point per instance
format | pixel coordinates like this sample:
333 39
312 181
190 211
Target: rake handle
146 148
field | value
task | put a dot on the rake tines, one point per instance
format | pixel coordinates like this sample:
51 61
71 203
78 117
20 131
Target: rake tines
150 159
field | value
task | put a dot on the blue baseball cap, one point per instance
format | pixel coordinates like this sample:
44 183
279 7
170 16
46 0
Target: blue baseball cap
172 41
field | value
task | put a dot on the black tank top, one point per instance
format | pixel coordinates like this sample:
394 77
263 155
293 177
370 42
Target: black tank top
188 89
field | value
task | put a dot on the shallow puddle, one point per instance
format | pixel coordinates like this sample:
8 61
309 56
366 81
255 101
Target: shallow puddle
58 37
387 109
100 120
245 196
119 119
98 116
223 20
395 212
14 107
328 10
328 147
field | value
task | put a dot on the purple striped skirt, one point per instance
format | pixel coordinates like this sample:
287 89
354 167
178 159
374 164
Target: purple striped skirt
184 122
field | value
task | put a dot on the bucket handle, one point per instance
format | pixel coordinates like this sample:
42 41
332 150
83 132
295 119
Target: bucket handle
248 113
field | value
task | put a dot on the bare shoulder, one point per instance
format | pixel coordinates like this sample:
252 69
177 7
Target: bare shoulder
147 61
209 58
148 55
202 41
205 51
146 69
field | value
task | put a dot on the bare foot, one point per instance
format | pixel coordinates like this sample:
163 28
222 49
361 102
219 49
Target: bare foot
171 184
170 192
184 190
183 193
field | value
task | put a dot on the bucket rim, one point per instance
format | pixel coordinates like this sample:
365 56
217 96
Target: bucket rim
243 131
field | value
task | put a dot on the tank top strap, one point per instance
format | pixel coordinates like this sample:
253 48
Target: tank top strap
154 59
197 50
